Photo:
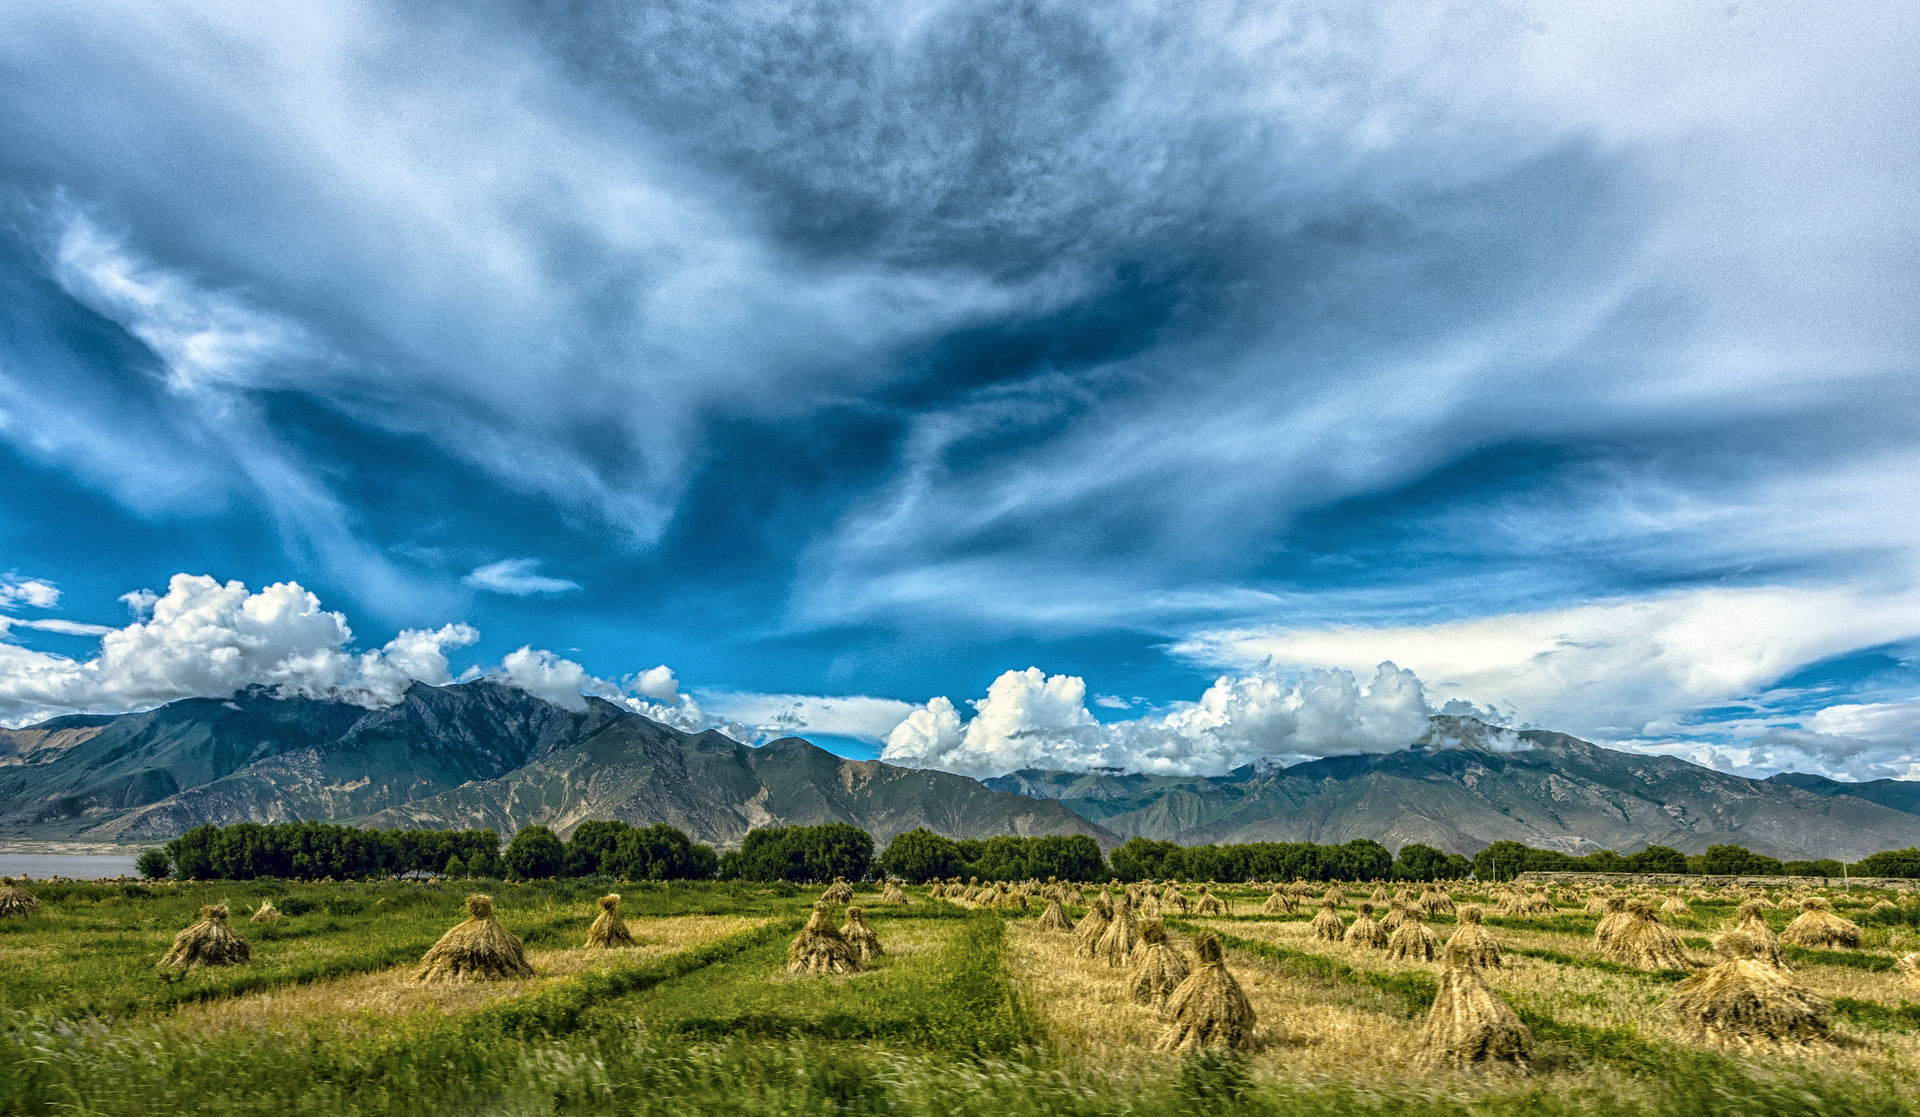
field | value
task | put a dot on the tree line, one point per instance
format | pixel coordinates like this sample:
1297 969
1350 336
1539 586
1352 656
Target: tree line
813 854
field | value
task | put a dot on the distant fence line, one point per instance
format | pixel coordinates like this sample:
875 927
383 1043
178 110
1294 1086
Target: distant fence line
1719 881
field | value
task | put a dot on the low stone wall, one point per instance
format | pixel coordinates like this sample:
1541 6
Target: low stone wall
1664 880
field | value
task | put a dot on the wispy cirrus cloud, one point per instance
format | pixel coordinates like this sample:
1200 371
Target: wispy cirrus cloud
516 577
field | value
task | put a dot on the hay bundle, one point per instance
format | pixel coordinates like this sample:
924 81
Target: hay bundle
1883 905
1746 998
1334 895
1055 917
865 943
266 913
1379 893
210 942
1414 941
1121 936
1436 902
1817 927
894 894
1754 926
1160 970
1615 918
1472 943
1644 942
1327 926
1148 907
1909 967
1469 1023
1675 907
1209 904
937 889
15 900
1175 899
1208 1008
1365 932
1599 905
1395 917
1278 904
478 949
1525 906
1093 927
609 931
821 948
839 892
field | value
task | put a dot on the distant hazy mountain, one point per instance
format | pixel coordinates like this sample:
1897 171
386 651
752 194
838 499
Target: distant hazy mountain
474 754
484 754
1467 785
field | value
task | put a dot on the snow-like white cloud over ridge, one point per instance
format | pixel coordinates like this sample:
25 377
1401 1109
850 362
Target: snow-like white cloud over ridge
1029 719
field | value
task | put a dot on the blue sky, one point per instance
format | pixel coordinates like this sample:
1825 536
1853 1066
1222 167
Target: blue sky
849 360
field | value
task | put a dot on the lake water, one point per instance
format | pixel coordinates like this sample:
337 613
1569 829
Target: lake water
77 865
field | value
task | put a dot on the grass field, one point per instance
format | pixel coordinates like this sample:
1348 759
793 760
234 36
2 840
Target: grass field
970 1011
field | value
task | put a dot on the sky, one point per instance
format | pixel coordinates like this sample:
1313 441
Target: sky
978 385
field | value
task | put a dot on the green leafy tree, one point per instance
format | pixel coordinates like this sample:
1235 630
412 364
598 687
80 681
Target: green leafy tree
1142 859
1890 863
590 849
535 852
660 852
1657 859
1501 861
152 864
1825 867
1419 862
456 869
1067 856
919 855
1727 858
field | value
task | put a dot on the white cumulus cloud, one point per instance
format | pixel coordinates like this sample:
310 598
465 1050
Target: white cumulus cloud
16 591
204 638
1032 720
516 577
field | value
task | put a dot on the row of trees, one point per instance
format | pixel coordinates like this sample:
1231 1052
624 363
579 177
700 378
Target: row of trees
313 850
920 855
1361 859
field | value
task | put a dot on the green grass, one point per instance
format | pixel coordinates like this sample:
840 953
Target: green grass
720 1028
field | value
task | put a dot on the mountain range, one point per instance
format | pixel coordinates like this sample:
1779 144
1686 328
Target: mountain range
484 754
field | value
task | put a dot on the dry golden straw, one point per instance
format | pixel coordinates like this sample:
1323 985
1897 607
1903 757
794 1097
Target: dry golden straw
609 930
1055 917
1364 931
1093 925
839 892
15 900
1747 998
894 894
1209 904
1414 941
1327 926
1469 1023
1121 936
1817 927
478 950
1208 1008
210 942
1473 943
821 948
865 943
1643 941
266 913
1161 970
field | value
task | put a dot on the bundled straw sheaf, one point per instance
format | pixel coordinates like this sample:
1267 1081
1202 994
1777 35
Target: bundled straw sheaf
1278 904
1818 928
1469 1023
1208 1008
1055 917
820 948
1327 925
839 892
1209 904
1472 943
1093 927
15 900
894 894
1754 926
609 931
1121 936
865 943
1161 968
1745 997
210 942
1364 931
1414 941
1643 941
266 913
478 950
